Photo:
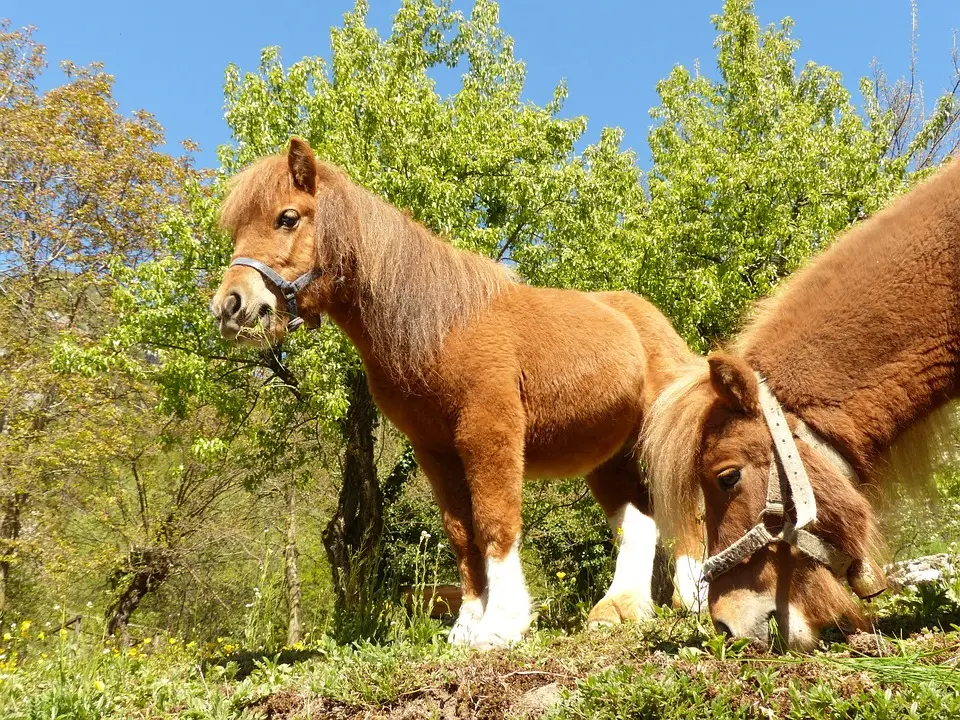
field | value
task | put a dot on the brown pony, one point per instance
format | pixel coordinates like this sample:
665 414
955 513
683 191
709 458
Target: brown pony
862 351
491 380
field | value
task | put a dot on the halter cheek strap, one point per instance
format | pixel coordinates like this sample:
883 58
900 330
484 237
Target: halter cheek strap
287 288
787 473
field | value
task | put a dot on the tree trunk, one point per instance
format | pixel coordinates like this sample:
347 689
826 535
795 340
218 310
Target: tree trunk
352 536
146 570
9 534
403 469
292 569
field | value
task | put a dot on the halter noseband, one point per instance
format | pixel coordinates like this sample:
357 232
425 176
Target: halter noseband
787 472
287 288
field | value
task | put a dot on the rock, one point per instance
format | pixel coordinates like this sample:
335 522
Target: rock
908 574
871 644
536 702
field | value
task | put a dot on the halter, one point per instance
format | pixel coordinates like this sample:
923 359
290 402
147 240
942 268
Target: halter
787 471
287 288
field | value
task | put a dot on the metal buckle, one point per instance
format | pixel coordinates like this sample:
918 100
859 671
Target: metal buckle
776 513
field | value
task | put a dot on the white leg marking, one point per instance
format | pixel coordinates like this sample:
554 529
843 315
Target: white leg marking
506 614
691 587
636 535
470 613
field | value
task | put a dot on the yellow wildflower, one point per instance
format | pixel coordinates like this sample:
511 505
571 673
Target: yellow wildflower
41 635
172 641
561 575
98 684
7 636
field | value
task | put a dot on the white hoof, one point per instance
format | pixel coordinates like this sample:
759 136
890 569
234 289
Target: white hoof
470 613
498 632
506 614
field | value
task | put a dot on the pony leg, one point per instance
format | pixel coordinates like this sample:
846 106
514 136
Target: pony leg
618 486
453 496
690 589
489 438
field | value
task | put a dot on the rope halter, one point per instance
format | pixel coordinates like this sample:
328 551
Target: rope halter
287 288
788 478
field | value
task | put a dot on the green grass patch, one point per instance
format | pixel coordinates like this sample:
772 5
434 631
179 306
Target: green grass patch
672 667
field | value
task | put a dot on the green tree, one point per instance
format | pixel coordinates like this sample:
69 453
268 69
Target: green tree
759 169
80 185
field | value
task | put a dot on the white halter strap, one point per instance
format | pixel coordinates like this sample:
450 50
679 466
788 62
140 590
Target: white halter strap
787 473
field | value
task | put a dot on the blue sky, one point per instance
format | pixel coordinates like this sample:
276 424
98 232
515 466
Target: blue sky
169 57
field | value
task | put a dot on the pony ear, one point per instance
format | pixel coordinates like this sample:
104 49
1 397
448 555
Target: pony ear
303 165
734 383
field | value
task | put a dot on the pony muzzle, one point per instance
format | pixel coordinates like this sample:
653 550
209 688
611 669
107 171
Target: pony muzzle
866 579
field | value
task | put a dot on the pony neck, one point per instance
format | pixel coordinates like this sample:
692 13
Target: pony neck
404 288
863 343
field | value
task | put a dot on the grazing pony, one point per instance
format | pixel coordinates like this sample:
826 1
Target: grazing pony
490 380
836 388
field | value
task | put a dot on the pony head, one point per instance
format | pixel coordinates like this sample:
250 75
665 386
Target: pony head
707 438
282 211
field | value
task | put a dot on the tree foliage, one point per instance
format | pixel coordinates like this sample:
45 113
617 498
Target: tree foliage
756 170
81 187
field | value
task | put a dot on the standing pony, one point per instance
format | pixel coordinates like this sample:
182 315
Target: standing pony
489 379
839 377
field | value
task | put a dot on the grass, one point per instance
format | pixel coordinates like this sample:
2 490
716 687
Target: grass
672 667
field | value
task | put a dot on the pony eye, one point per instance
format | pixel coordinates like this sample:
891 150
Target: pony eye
729 478
288 219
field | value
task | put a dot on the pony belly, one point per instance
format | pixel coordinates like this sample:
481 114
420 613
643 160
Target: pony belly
577 450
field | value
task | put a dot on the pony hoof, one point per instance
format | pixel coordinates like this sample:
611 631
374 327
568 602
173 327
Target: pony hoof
491 641
618 609
499 633
470 614
460 635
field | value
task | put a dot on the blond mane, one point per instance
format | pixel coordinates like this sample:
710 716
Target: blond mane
670 444
413 288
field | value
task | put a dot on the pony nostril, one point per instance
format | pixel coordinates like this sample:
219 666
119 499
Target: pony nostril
263 311
231 305
722 628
